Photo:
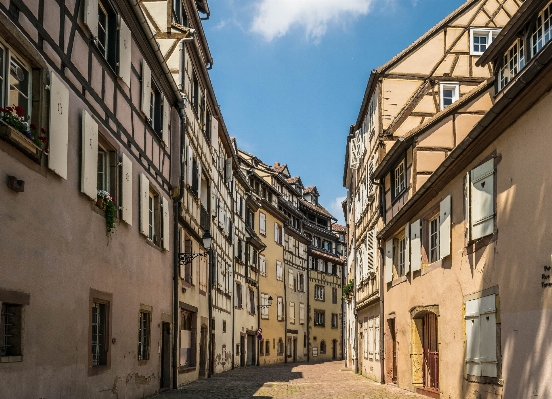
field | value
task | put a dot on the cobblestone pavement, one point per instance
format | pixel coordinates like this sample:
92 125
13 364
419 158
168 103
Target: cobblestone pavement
324 380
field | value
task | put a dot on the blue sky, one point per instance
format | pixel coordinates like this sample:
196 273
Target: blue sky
290 75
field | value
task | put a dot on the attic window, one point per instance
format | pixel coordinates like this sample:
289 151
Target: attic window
449 94
480 39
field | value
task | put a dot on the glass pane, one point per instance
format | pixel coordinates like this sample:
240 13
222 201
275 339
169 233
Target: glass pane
19 86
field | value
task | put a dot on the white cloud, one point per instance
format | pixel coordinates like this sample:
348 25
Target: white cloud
274 18
337 210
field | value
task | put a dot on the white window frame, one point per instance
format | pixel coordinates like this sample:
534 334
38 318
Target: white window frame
489 33
262 223
545 36
434 231
106 169
513 61
151 215
449 86
319 292
400 178
9 53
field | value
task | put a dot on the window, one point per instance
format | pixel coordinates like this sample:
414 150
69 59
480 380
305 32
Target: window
399 181
253 256
319 316
291 315
144 335
179 13
305 341
289 346
186 271
280 349
278 233
323 347
208 128
156 109
19 93
264 306
107 32
301 286
153 218
334 295
103 169
262 265
512 62
11 330
100 337
291 279
279 271
319 292
542 30
280 308
262 223
267 347
224 326
449 94
481 39
301 313
251 301
250 219
334 320
400 254
187 338
480 197
481 332
195 94
239 296
434 239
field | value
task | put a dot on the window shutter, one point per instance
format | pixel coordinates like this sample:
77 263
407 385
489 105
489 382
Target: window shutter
487 325
445 227
365 337
189 164
199 173
166 225
370 338
59 126
166 121
91 16
125 57
377 338
389 261
89 164
228 170
214 132
482 200
292 312
407 248
472 337
301 313
280 308
262 223
276 232
278 270
127 190
146 89
144 205
467 205
415 246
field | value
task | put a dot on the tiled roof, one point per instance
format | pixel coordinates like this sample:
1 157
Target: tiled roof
293 180
279 168
317 208
309 189
339 227
331 257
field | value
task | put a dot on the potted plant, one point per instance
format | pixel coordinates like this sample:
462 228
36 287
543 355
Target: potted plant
348 290
107 204
17 130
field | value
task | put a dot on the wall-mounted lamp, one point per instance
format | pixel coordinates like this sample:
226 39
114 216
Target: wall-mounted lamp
269 303
186 258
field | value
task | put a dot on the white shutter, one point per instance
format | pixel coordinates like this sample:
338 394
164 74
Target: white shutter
214 133
125 56
91 16
377 343
365 338
276 232
262 264
228 170
127 190
166 225
189 165
89 164
370 338
166 121
199 179
59 126
445 220
389 261
262 223
301 313
472 337
407 248
482 200
291 314
279 270
467 205
146 89
415 246
144 204
280 308
487 335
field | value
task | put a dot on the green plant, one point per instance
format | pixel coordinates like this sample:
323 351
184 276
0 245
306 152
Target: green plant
108 205
14 117
348 289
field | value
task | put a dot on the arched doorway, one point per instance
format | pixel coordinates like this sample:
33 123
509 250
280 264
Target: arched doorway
425 351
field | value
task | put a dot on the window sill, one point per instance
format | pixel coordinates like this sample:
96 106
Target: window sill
152 244
432 266
186 369
21 142
476 245
143 362
11 359
398 281
484 380
187 284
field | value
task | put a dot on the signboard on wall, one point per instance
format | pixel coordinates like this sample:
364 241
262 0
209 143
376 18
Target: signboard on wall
315 351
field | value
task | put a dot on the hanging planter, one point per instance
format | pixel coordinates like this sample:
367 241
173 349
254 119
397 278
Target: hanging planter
106 203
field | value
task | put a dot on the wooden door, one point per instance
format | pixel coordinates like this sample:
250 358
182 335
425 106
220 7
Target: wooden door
430 352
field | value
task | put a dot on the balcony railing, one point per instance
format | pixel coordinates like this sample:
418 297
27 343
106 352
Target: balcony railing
205 220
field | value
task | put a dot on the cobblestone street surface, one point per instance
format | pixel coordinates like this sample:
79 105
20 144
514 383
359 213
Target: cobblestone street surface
325 380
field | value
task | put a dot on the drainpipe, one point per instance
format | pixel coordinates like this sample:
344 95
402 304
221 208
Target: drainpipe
382 324
232 308
176 245
285 304
308 307
210 349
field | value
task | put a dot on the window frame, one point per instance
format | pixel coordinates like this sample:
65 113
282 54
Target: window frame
398 186
535 49
319 318
17 355
144 335
319 293
455 86
517 54
109 50
434 232
105 299
489 33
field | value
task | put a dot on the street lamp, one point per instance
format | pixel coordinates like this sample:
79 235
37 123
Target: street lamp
269 303
186 258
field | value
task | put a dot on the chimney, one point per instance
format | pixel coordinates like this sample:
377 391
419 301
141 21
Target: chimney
276 165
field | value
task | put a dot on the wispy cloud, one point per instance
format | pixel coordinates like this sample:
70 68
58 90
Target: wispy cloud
274 18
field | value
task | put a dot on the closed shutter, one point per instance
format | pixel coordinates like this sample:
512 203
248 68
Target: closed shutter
228 170
166 121
91 16
415 246
377 338
291 283
371 256
365 338
301 313
279 270
473 364
189 165
445 221
389 261
166 225
127 190
262 264
467 205
365 258
482 200
292 312
59 126
407 249
199 182
262 223
89 164
280 308
214 132
487 325
370 338
144 204
146 89
125 56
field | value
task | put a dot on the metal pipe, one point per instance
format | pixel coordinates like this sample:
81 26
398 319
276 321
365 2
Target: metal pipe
382 324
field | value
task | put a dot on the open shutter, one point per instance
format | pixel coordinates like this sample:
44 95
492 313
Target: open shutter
276 232
262 223
89 164
166 225
91 16
445 227
280 308
127 190
377 338
389 261
144 204
58 127
166 121
407 249
199 179
228 170
467 206
487 335
482 200
415 246
146 89
125 57
473 364
189 165
370 338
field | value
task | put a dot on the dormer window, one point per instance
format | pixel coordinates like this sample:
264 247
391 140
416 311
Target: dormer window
512 62
480 39
399 180
542 33
449 94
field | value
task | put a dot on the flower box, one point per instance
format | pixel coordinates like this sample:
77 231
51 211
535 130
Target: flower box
20 141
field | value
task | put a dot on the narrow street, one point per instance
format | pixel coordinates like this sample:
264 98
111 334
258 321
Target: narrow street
323 380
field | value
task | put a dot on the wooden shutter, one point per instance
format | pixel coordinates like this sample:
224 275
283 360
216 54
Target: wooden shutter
262 223
291 279
125 56
262 264
445 221
89 162
199 173
228 170
189 164
146 89
365 338
487 335
280 308
91 16
126 202
166 224
370 338
482 200
276 232
377 338
214 132
389 261
279 270
467 206
144 204
166 121
58 126
407 249
473 364
292 312
301 313
415 246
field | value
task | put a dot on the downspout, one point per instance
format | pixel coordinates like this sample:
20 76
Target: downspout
382 324
176 213
285 304
210 349
308 306
232 306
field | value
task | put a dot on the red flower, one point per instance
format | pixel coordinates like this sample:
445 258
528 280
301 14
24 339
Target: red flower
9 109
46 151
42 130
19 111
33 126
3 109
